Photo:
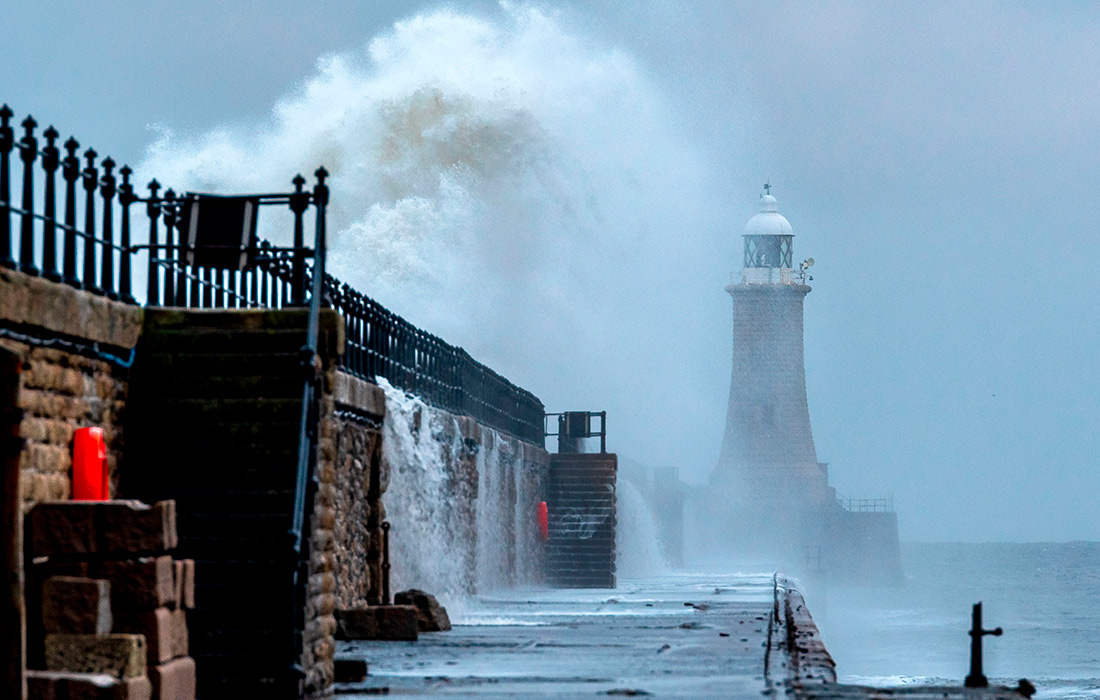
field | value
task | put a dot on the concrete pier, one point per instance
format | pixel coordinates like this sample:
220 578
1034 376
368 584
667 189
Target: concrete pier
676 636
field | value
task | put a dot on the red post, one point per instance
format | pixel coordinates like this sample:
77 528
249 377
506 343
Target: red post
89 465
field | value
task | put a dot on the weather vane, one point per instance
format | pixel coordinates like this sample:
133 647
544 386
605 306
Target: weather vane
767 187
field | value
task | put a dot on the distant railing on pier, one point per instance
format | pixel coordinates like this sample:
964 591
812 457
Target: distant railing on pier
57 246
866 505
769 275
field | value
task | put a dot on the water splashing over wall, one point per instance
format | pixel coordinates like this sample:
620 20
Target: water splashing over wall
638 553
460 499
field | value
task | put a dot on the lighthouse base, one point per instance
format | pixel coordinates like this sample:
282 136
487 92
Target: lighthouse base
830 543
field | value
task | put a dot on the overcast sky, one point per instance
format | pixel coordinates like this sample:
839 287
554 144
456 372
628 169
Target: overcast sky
939 161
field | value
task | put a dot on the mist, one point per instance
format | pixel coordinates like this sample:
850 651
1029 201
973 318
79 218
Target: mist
572 206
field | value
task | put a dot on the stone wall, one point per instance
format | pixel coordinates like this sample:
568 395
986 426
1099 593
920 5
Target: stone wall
75 348
75 351
358 409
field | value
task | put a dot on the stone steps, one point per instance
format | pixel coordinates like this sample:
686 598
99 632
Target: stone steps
580 551
219 424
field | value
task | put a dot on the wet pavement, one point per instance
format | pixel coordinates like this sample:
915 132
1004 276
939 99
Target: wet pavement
690 636
677 636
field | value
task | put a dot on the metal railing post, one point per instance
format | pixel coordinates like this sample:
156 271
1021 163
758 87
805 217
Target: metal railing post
152 282
125 199
51 159
70 171
28 153
7 141
107 191
91 179
168 206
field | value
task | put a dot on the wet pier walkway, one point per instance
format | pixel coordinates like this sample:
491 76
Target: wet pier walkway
679 636
675 637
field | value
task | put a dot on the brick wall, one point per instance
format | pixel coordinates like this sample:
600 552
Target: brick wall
61 334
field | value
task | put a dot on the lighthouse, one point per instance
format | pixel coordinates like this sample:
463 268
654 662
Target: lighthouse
768 488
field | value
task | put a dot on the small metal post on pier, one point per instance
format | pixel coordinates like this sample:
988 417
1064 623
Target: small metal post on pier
977 679
386 563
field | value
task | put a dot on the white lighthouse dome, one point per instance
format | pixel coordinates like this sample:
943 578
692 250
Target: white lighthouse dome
769 222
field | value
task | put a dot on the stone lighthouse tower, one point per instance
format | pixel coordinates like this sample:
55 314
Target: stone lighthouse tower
768 489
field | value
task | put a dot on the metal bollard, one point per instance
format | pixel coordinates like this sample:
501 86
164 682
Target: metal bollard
386 563
977 679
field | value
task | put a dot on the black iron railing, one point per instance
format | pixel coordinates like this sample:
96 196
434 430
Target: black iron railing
379 342
382 344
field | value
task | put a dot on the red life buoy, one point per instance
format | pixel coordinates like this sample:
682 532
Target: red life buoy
544 521
89 465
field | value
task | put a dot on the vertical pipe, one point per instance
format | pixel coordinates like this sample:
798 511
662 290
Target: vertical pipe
207 290
264 296
91 179
51 158
218 279
386 562
603 432
125 199
7 141
70 170
152 210
235 289
169 209
28 153
107 191
182 249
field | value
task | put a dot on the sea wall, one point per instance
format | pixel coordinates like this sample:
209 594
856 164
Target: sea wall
461 500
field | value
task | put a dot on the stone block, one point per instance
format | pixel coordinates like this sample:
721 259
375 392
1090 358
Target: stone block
386 622
139 584
64 685
61 527
165 632
89 527
177 580
117 655
76 605
188 587
133 526
430 615
174 680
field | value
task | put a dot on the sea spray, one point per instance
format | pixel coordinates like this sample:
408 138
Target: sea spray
638 552
507 180
417 443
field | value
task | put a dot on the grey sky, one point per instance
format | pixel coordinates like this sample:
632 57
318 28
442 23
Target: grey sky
938 160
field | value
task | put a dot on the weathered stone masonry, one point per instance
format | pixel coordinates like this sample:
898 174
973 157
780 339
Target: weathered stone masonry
64 386
355 411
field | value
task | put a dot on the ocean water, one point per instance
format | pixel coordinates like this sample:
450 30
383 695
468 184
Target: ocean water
1046 596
